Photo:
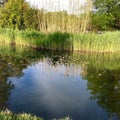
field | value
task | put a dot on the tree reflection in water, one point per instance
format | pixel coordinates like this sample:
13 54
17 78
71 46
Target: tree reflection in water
102 74
13 60
8 67
5 87
104 86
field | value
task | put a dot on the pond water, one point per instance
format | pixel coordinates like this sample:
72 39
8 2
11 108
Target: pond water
83 86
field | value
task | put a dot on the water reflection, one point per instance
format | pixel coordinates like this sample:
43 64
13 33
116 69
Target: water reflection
47 91
5 86
57 84
104 86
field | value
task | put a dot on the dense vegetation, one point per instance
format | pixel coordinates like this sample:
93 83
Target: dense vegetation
20 15
23 24
106 15
16 14
105 42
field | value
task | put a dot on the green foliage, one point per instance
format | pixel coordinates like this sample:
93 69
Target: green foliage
104 42
102 21
107 15
35 39
20 15
106 5
17 15
30 18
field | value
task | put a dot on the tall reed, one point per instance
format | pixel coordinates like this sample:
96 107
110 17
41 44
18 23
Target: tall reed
105 42
91 42
73 20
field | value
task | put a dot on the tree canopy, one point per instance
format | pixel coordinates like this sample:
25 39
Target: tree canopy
17 14
107 14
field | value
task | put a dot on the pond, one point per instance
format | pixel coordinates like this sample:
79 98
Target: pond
54 84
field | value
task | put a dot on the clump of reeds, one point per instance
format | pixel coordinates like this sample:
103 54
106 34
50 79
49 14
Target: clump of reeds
74 20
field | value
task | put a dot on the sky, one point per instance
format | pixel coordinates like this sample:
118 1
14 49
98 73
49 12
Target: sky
58 5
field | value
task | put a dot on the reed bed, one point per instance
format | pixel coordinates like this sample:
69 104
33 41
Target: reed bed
91 42
53 17
35 39
104 42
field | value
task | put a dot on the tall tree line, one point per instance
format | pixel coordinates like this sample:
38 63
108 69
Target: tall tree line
18 14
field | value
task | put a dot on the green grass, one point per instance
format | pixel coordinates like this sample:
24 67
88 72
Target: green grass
106 42
7 115
35 39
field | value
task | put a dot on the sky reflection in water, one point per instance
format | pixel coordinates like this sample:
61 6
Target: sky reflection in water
53 91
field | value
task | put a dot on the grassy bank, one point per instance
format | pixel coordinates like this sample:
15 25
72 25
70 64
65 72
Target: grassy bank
105 42
7 115
35 39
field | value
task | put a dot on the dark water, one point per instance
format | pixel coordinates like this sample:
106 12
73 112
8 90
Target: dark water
52 85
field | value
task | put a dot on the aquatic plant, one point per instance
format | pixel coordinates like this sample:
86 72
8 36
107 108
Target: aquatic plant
93 42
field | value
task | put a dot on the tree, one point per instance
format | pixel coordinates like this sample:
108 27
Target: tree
102 21
109 10
13 14
31 18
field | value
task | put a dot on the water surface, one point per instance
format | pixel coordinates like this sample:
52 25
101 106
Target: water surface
52 85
